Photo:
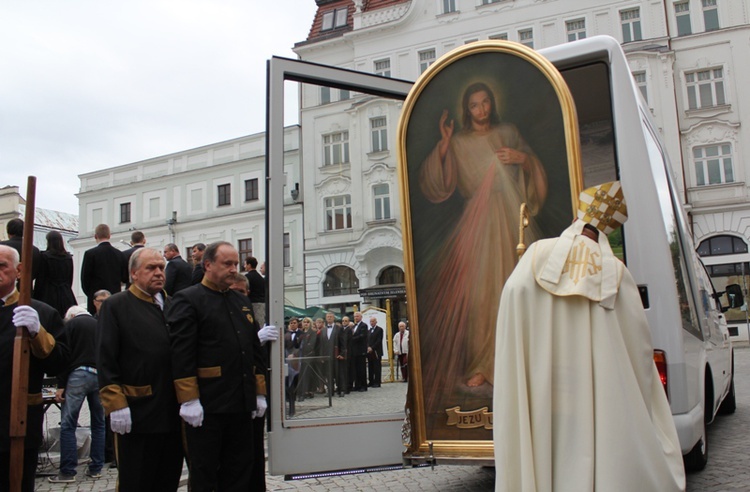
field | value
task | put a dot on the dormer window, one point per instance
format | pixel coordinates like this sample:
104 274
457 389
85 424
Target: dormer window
334 18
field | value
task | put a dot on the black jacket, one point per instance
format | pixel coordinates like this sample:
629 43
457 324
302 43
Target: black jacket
102 268
134 363
47 356
216 353
178 274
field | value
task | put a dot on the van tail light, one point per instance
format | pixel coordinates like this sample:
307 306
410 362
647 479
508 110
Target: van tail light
660 359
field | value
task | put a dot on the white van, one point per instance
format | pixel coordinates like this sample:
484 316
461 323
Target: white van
693 350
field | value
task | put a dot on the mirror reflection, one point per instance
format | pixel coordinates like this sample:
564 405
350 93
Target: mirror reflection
344 293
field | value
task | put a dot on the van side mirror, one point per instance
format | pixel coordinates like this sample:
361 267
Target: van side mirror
734 296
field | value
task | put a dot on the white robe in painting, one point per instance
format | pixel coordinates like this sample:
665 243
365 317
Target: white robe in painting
578 403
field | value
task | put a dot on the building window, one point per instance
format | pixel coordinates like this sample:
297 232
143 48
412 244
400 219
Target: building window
710 15
154 207
502 35
426 58
340 281
383 67
640 81
225 194
391 275
449 6
576 29
682 14
334 18
379 131
287 250
631 25
124 212
325 95
251 189
338 213
705 88
336 148
245 249
722 245
382 195
344 95
713 164
526 37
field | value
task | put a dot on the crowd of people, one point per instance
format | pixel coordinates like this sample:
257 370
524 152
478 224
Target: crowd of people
174 361
331 357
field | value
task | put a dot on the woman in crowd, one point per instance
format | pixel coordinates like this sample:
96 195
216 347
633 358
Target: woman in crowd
53 286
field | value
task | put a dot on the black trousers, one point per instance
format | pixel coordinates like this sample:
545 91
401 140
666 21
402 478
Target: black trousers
259 456
149 462
342 375
30 457
221 453
360 371
375 369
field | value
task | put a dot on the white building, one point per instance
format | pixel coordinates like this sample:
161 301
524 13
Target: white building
688 56
13 206
211 193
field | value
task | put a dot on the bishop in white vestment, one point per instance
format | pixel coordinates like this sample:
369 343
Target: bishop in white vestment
578 403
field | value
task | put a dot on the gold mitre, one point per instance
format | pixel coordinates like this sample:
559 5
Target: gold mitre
603 206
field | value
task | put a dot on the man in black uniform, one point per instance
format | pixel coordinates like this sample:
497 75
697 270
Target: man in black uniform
102 267
218 374
42 322
135 379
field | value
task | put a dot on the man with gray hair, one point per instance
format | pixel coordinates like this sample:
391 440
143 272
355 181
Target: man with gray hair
42 322
135 379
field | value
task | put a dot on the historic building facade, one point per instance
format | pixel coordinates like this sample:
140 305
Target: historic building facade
688 57
211 193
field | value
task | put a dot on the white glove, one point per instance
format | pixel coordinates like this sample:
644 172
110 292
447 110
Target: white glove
268 333
260 407
28 317
120 421
192 412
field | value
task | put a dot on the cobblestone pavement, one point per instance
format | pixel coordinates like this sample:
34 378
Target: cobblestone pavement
727 470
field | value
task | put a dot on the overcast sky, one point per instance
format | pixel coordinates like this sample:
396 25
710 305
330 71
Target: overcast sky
92 84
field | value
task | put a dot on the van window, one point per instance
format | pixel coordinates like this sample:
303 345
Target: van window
675 226
590 87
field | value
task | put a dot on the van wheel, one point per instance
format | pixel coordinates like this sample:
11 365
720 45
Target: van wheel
697 458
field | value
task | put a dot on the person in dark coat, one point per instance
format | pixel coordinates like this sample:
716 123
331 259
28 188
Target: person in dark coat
198 250
137 241
359 349
54 286
102 268
219 374
14 228
135 379
374 352
178 271
47 356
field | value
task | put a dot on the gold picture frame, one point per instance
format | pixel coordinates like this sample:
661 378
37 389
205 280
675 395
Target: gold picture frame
463 170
